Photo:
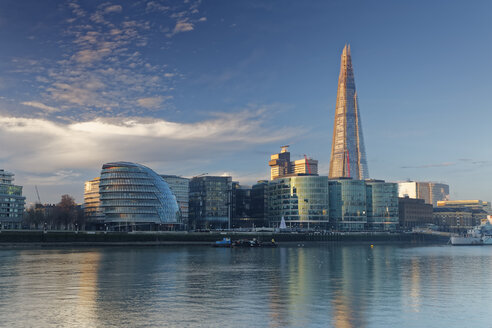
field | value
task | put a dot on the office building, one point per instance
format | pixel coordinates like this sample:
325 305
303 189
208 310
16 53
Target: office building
382 205
282 166
474 204
181 189
92 203
302 201
414 212
135 197
430 192
457 219
259 202
11 202
210 202
348 155
348 210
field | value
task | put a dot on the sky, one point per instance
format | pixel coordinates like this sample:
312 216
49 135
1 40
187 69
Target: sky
191 87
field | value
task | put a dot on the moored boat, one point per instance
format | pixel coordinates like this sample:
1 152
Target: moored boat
225 242
481 235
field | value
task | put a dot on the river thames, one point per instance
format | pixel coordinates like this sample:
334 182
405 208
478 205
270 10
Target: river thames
310 285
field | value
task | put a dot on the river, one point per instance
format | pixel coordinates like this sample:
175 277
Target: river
301 285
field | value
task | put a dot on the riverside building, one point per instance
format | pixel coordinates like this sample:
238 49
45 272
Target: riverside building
132 197
92 204
414 212
382 205
181 189
303 202
348 154
11 202
210 202
430 192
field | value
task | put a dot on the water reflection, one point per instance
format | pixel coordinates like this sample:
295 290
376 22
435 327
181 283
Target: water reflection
313 286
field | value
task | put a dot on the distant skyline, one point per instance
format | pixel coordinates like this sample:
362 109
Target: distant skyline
187 87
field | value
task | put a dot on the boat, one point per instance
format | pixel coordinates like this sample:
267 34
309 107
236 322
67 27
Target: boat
225 242
253 243
480 235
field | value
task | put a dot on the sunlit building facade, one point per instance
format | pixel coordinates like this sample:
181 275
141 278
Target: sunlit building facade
281 165
430 192
348 154
382 205
133 196
303 202
92 202
11 201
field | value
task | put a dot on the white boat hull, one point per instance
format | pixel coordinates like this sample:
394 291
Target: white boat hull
463 241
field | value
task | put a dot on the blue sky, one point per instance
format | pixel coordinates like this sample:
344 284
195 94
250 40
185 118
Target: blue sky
188 87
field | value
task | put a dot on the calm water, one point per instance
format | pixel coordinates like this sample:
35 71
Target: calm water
310 286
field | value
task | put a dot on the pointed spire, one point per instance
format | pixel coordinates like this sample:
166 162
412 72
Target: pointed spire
348 156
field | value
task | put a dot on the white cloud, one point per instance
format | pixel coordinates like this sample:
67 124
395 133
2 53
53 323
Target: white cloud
183 26
150 102
113 9
48 146
39 105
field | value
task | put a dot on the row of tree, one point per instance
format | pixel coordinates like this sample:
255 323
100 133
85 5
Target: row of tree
65 215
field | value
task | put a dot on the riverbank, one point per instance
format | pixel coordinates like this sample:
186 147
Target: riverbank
72 238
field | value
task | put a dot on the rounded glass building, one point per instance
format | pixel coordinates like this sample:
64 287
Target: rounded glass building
132 194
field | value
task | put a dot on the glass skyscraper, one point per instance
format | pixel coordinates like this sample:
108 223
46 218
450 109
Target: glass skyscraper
348 154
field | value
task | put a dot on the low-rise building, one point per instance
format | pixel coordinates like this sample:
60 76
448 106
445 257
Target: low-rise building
414 212
474 204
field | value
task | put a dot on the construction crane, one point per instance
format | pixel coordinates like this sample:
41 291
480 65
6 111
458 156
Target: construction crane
307 164
200 175
37 193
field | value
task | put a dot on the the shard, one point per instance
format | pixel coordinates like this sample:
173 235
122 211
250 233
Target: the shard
348 154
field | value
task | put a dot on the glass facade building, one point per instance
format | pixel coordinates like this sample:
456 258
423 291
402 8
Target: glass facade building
132 194
210 202
348 154
348 211
181 189
92 202
303 202
11 201
382 205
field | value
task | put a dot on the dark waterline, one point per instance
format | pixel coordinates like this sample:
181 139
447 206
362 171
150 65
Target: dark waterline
311 286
